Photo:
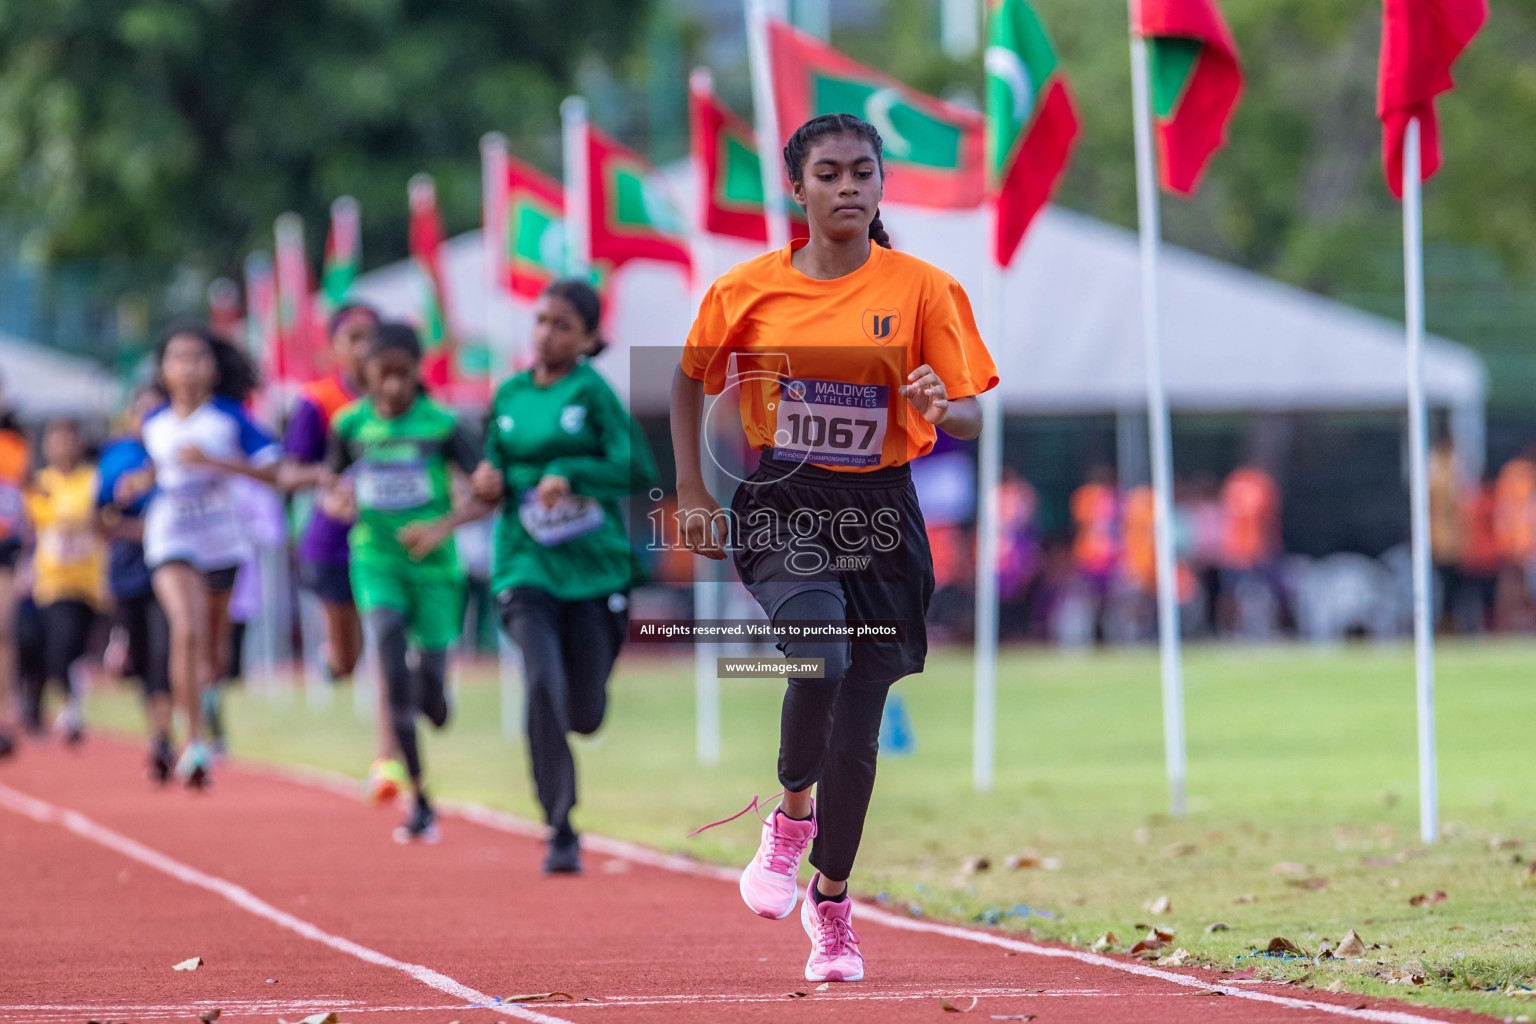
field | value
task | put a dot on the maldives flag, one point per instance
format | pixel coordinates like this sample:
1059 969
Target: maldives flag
730 175
1031 123
935 152
630 216
1420 40
535 253
293 355
343 254
426 239
260 311
1196 82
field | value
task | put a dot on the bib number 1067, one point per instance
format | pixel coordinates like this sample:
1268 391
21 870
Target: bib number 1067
836 432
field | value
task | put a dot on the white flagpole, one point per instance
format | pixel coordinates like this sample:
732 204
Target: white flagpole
706 579
1162 448
1418 482
578 241
493 245
765 119
989 473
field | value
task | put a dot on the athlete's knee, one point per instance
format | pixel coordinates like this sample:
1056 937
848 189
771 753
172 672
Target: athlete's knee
836 657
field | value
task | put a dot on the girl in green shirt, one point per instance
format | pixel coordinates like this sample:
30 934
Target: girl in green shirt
560 452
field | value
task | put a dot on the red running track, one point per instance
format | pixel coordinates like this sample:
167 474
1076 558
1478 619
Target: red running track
298 902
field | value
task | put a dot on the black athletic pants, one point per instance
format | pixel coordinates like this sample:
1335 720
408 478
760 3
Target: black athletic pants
418 690
568 650
148 642
823 547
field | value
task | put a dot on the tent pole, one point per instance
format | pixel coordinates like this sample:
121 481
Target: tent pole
1418 483
1158 425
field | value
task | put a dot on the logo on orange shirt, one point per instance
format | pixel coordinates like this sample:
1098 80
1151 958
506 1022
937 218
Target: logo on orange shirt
882 325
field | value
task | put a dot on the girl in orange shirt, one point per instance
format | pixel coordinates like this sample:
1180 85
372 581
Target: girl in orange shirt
848 357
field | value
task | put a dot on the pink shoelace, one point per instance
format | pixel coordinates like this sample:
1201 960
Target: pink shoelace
835 937
755 805
783 851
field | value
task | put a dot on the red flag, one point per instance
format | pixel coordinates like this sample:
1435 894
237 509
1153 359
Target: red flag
935 152
629 215
293 357
535 208
1196 82
730 176
1420 40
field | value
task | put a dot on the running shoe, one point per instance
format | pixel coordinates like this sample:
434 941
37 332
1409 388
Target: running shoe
161 761
213 718
564 856
195 768
420 827
768 883
835 952
70 725
386 780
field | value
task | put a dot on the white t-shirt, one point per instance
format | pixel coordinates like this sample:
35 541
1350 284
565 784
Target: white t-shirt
193 516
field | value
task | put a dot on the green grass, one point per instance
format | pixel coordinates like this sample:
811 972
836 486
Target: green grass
1296 756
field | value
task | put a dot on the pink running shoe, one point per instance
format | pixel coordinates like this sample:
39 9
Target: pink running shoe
835 952
768 884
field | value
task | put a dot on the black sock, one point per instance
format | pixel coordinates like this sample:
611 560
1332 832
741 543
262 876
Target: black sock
821 897
791 817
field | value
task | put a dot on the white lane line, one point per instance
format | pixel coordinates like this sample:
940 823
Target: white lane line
48 814
509 823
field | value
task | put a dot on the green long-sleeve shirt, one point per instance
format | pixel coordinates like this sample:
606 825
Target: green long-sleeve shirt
576 428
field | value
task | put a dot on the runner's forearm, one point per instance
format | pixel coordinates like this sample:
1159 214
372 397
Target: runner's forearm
687 412
964 419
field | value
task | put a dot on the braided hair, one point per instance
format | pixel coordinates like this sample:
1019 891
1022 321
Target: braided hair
799 147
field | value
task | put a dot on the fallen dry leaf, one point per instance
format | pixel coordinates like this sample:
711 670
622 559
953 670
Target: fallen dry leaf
1162 934
1336 985
1013 1016
1309 884
1350 945
534 997
1424 899
1175 850
1051 863
949 1007
1147 946
1104 942
823 986
189 965
314 1018
1504 843
795 995
1020 862
1404 976
972 865
1246 897
1289 867
209 1016
1161 905
1279 944
1178 958
1530 870
1217 926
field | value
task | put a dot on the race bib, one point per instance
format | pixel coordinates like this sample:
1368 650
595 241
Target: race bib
67 545
573 516
197 509
829 422
393 486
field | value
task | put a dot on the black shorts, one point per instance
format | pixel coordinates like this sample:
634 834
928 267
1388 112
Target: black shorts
859 536
10 553
330 583
148 642
218 581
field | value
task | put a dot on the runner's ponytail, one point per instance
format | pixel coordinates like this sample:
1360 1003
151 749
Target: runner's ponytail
877 231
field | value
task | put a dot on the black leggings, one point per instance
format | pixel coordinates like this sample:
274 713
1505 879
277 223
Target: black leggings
66 634
568 650
829 736
421 691
149 639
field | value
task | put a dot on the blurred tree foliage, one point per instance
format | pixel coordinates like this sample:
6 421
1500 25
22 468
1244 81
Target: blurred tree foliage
175 130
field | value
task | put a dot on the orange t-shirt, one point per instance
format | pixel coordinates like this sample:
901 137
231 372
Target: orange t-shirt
1094 510
15 459
1514 491
1252 503
818 363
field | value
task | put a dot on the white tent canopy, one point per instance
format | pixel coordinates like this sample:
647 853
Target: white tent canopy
1072 343
39 382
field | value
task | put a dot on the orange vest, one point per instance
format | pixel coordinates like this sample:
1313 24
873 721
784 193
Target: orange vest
1093 508
328 394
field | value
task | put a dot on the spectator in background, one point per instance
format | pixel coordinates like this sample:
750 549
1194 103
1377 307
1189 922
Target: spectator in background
1480 558
1250 500
1206 521
1514 526
1020 560
1447 525
1096 537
